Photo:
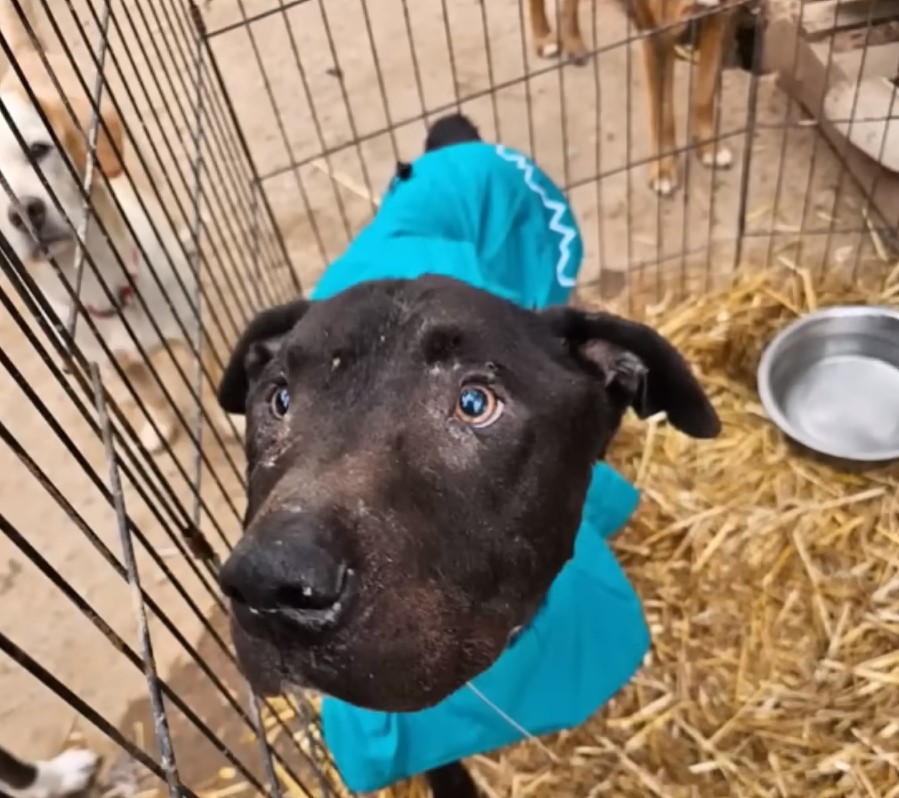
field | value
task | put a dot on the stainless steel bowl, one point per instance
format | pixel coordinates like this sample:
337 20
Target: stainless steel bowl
831 382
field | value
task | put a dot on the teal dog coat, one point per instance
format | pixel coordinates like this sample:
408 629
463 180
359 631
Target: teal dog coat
486 215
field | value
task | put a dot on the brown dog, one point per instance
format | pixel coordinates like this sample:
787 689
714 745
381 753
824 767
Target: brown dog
667 20
670 18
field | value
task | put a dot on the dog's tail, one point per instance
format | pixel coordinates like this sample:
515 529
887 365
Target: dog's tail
449 130
14 28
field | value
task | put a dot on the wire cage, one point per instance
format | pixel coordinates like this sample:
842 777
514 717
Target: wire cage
265 131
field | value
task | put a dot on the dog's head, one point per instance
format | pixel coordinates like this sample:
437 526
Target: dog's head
29 219
418 456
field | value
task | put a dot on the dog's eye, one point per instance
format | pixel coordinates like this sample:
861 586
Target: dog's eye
280 401
38 150
478 406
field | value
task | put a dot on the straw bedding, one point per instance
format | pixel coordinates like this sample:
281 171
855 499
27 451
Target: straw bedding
771 585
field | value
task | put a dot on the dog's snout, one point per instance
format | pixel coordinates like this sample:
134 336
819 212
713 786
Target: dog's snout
29 211
286 570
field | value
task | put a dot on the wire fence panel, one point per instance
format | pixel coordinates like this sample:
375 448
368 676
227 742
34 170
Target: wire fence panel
230 150
96 527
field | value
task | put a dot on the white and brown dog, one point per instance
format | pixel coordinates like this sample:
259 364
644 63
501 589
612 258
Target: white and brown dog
69 772
156 285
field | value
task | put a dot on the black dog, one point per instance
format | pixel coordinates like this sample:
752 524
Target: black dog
418 456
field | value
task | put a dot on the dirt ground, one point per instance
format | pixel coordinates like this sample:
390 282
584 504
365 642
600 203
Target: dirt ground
291 91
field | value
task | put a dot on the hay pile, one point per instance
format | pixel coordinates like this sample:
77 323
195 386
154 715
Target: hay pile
771 585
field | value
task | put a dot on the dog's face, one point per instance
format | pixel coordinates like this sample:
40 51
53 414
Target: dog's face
29 219
418 456
31 205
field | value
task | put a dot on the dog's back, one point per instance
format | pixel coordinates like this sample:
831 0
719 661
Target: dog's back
475 211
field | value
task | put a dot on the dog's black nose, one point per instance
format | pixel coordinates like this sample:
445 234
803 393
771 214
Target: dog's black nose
285 570
31 208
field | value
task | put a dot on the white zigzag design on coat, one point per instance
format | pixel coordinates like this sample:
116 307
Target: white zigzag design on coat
567 233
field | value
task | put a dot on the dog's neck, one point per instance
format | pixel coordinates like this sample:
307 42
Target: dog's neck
120 274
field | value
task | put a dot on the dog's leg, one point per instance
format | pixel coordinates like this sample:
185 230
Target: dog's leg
67 773
545 44
160 411
228 429
658 58
713 32
570 33
158 406
452 781
138 375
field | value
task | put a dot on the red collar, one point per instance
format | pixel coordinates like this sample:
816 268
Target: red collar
124 294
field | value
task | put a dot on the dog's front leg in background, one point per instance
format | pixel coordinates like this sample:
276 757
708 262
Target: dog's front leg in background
545 44
658 59
570 33
713 32
569 41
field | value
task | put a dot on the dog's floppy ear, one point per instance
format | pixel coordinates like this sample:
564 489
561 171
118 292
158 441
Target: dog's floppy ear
110 143
257 346
639 367
110 139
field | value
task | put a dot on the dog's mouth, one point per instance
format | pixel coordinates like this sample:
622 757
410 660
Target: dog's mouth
51 245
298 613
282 644
392 651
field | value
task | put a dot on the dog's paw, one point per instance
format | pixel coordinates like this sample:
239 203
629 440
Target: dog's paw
718 158
68 773
663 177
664 185
547 47
154 442
575 49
